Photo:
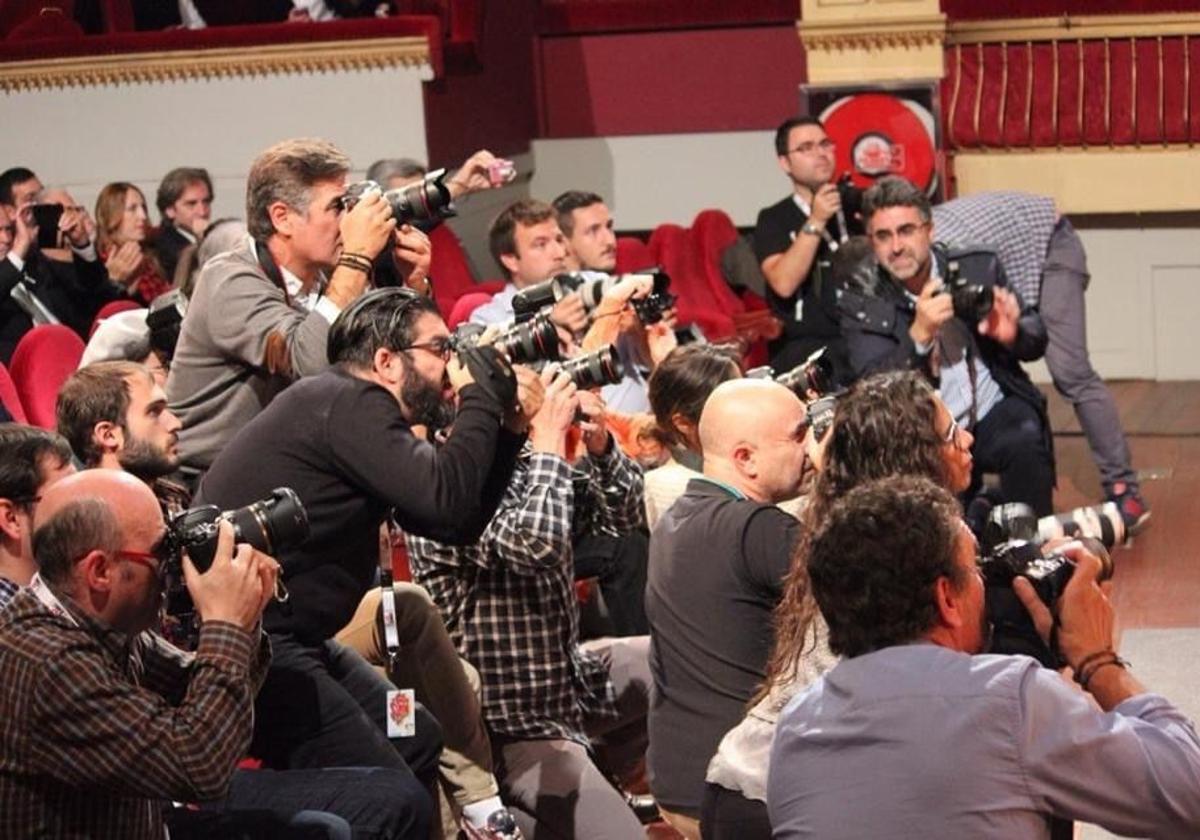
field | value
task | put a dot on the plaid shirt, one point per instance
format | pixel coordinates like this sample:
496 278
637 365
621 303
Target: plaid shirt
98 730
1017 226
509 600
7 590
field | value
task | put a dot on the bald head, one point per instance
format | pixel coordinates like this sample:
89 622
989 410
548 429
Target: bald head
752 433
90 510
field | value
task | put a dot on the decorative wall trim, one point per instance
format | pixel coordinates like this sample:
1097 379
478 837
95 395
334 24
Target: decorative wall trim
1072 28
873 35
174 65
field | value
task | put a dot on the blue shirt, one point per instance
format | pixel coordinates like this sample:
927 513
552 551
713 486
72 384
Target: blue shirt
920 741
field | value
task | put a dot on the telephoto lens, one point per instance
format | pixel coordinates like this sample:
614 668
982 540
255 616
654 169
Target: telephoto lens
595 370
814 374
530 341
424 201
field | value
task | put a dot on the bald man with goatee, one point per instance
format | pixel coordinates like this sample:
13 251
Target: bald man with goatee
717 561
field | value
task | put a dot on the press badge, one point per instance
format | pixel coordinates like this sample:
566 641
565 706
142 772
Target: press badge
401 708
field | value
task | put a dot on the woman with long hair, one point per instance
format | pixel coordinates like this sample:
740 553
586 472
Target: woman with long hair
123 225
885 425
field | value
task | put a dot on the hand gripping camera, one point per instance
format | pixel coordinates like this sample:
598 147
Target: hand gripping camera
592 286
271 525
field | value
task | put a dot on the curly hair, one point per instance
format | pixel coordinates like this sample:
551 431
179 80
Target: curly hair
876 558
883 426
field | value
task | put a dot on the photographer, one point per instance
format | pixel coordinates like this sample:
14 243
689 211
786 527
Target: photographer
352 458
969 339
259 316
103 721
941 741
509 604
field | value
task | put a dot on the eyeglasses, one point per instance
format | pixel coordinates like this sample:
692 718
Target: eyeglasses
143 558
904 232
822 146
953 436
438 347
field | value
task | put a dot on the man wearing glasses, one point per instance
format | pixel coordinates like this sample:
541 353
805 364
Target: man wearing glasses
794 240
907 320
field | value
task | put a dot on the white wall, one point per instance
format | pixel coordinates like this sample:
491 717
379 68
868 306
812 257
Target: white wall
85 138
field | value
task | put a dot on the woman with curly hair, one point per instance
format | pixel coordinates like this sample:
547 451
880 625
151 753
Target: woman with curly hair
885 425
123 225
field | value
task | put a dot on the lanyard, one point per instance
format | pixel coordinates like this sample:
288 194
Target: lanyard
806 209
387 603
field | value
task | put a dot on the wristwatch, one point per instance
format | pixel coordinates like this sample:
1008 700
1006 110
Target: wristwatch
812 229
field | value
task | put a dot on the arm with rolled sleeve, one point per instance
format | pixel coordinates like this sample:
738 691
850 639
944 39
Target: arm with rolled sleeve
531 533
1134 771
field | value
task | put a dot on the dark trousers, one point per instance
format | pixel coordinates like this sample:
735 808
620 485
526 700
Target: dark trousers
324 706
727 815
1011 441
619 563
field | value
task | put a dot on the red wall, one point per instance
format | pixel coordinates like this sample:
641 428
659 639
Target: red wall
669 82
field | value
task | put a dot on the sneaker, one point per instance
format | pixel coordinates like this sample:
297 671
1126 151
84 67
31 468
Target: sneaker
500 826
1133 507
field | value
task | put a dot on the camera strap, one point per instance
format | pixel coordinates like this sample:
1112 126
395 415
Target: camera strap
387 605
271 268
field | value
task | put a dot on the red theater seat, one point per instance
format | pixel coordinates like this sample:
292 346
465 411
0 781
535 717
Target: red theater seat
676 251
9 397
112 308
464 306
633 254
44 358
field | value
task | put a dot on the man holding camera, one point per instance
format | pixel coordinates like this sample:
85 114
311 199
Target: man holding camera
259 316
928 309
718 557
916 734
794 240
353 461
102 720
510 606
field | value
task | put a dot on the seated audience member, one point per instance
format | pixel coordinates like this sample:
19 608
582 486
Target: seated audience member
584 219
529 247
390 365
794 240
679 387
30 461
63 285
888 424
19 187
259 316
124 225
907 321
942 741
544 695
124 337
79 665
221 235
116 418
718 557
1045 262
184 201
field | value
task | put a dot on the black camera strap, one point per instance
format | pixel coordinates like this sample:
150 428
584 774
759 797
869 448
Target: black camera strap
271 268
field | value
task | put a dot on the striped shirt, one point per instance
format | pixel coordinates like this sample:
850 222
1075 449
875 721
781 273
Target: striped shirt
98 730
509 600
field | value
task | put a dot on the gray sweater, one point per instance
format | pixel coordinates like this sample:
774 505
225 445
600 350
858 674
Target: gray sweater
241 343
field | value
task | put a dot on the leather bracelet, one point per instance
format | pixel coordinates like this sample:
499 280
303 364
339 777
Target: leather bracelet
1092 657
364 266
1086 678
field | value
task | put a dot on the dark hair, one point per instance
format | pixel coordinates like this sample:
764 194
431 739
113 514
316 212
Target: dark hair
80 526
10 178
381 318
502 233
176 181
94 394
894 191
570 201
882 427
784 132
286 172
382 171
681 383
875 559
22 451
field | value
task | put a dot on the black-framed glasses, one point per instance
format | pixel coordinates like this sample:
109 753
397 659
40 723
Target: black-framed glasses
442 347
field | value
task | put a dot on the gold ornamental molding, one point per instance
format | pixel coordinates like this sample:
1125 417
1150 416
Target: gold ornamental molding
873 35
214 63
1073 28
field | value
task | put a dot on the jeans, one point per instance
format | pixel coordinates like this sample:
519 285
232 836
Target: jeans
619 563
1010 440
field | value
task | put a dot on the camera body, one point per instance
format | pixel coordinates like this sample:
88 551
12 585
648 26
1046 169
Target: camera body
972 301
591 286
164 320
271 525
424 201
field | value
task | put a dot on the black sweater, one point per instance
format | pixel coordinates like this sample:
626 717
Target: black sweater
342 444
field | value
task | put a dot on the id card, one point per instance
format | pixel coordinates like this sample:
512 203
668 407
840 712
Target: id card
401 713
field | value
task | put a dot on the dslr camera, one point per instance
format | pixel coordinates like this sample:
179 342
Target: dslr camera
595 370
592 285
814 374
1012 628
972 301
426 200
525 342
271 525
